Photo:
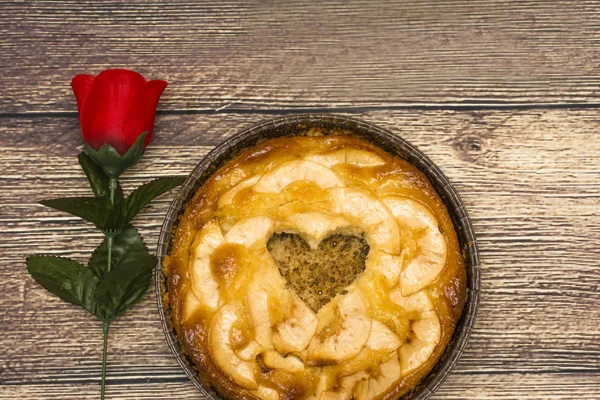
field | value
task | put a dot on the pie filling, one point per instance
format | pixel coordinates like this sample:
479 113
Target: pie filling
315 267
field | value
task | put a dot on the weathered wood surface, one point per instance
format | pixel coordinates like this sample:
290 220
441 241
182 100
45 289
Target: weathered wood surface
527 167
530 180
279 55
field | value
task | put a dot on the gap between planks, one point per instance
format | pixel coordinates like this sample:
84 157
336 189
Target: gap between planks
466 107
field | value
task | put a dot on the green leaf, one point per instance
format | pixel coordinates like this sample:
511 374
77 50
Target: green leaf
65 278
109 217
96 210
122 287
144 194
99 181
127 246
118 196
111 162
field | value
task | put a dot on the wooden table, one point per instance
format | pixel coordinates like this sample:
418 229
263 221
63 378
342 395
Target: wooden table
504 96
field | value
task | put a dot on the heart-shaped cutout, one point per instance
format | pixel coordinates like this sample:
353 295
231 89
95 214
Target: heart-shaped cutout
318 275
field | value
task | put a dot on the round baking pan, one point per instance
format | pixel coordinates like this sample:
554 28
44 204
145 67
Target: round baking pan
298 125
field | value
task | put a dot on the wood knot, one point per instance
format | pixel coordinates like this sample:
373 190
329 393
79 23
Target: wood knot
470 148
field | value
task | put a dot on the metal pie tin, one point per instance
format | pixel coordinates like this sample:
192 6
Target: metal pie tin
296 125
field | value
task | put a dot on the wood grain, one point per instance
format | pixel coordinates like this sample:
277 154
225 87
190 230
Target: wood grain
530 179
229 56
504 96
457 387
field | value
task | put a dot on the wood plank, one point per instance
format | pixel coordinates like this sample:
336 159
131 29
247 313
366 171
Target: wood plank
530 179
233 55
510 386
458 387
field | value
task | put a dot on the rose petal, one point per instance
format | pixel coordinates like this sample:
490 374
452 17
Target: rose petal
105 108
140 117
81 85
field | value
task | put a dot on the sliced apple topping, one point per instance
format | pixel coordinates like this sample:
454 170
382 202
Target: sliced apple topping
344 390
382 338
389 265
382 341
389 372
251 231
265 393
357 157
221 348
295 332
249 351
430 259
315 225
370 214
274 360
426 330
204 285
265 283
343 330
297 170
227 197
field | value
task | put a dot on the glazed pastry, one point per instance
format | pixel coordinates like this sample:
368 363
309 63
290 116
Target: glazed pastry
315 267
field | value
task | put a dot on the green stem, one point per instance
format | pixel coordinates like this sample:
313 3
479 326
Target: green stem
112 186
105 326
109 245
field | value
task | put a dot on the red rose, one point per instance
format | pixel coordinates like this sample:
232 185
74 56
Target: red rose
115 107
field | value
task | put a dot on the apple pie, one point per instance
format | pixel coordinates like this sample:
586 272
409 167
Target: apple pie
315 267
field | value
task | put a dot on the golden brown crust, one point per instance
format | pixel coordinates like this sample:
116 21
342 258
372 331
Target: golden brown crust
395 177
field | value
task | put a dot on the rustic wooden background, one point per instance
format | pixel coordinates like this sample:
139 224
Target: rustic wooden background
504 96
